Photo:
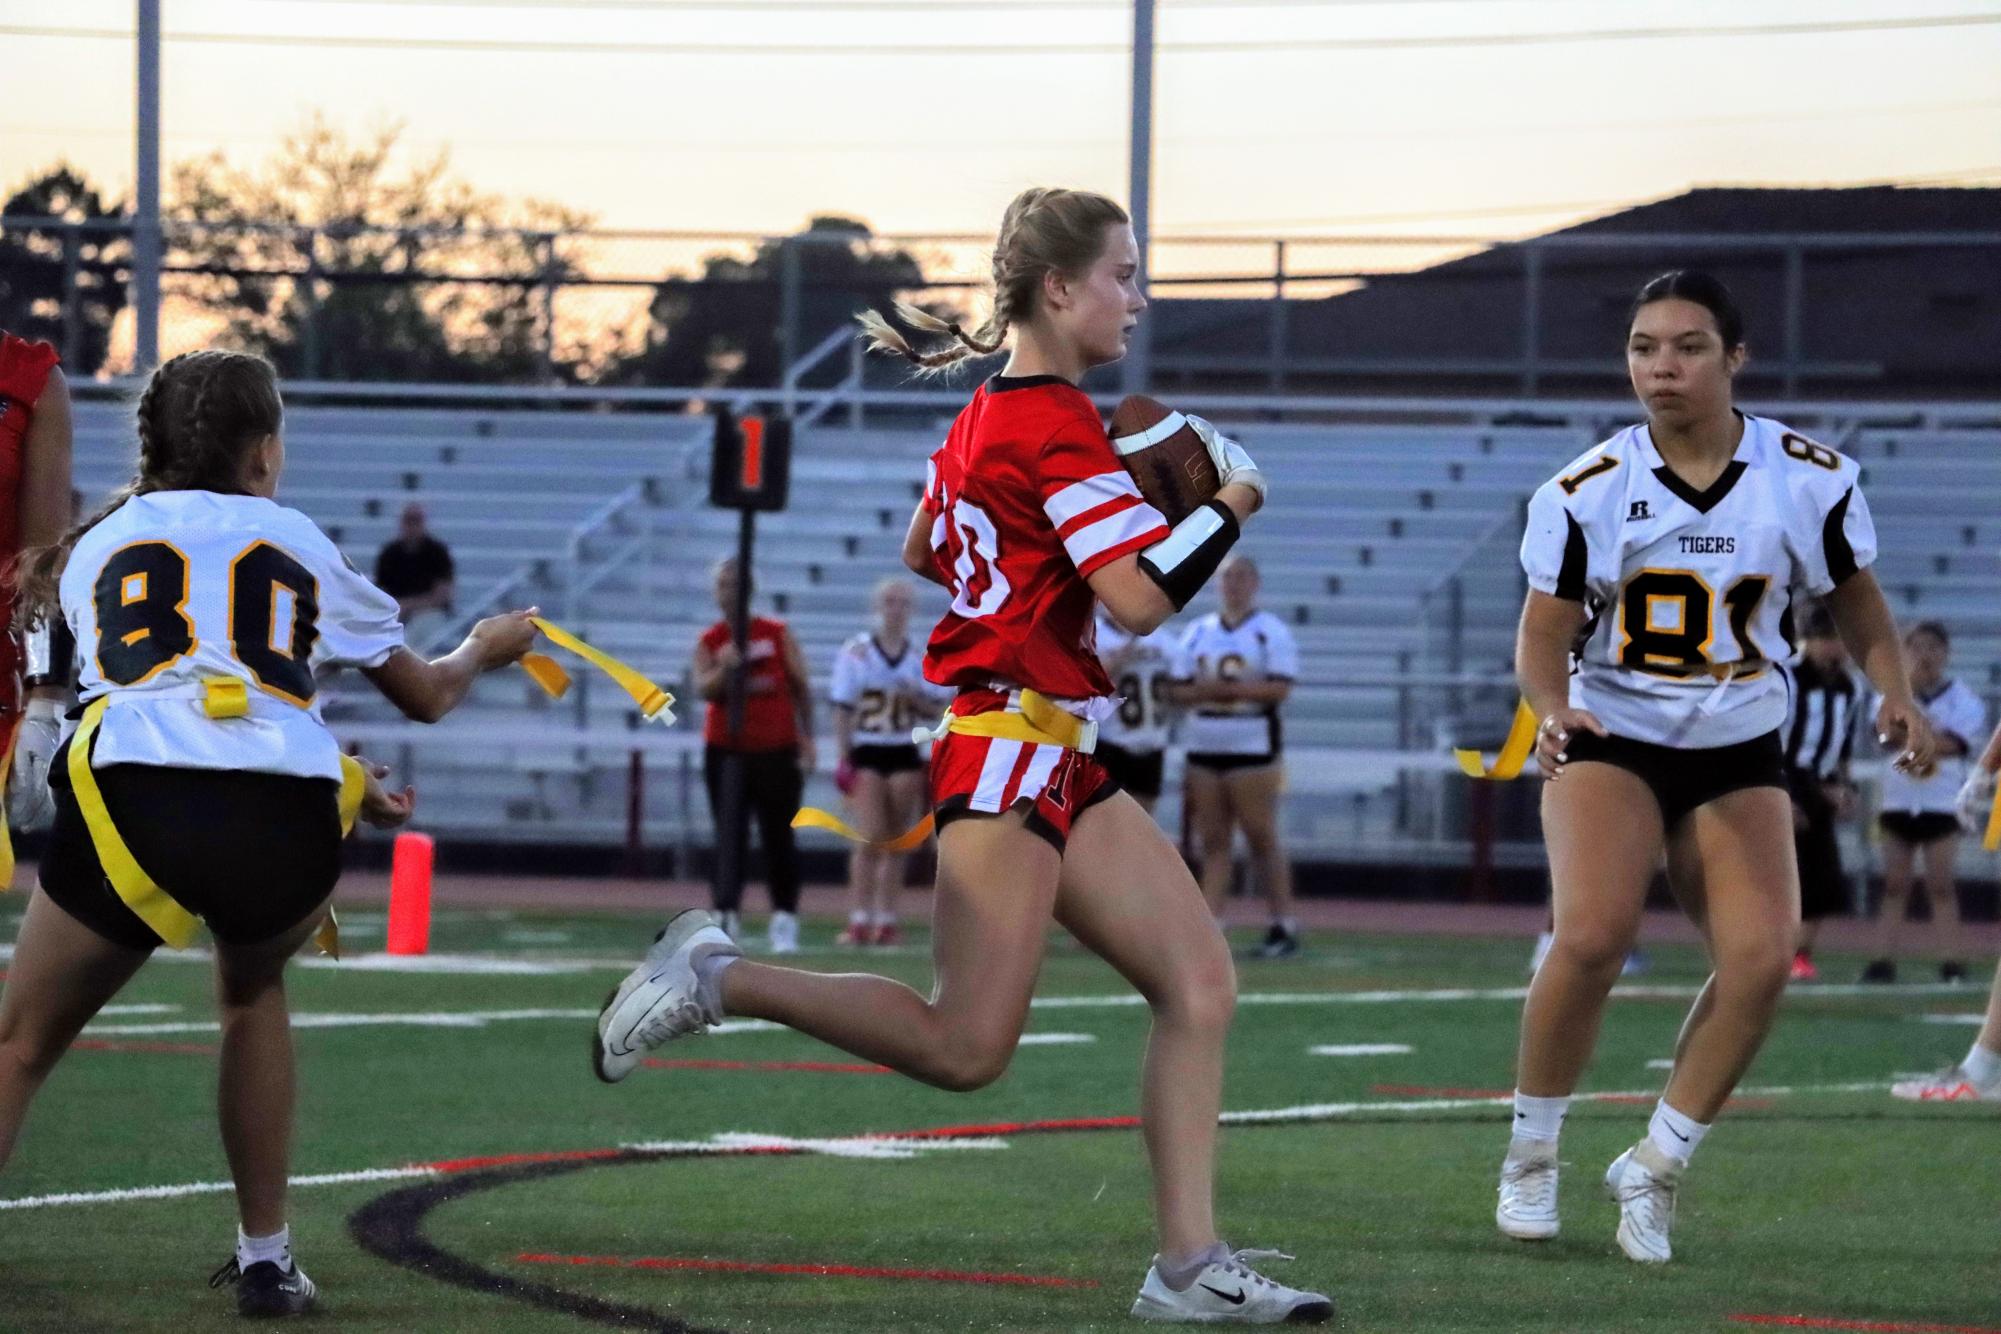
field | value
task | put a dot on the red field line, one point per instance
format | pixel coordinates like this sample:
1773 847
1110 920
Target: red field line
1873 1327
771 1067
450 1165
809 1271
1015 1128
170 1048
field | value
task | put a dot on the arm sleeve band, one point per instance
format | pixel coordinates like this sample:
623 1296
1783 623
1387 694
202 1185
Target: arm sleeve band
51 654
1182 562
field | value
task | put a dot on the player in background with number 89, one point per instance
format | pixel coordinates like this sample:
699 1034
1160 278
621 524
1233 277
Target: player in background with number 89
1663 562
189 574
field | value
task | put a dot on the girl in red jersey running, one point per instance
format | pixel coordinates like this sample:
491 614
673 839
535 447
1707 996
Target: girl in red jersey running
1027 515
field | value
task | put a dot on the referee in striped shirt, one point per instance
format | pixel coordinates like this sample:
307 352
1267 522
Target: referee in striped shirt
1821 703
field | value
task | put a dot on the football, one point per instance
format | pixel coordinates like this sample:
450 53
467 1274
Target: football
1166 458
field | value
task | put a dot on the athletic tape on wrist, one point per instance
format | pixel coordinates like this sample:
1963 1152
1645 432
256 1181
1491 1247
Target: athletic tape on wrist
1182 562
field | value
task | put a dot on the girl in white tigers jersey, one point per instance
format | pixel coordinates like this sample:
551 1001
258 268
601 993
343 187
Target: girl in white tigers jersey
1662 565
879 693
1132 743
1233 669
201 610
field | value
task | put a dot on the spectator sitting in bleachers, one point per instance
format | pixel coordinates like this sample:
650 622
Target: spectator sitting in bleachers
415 568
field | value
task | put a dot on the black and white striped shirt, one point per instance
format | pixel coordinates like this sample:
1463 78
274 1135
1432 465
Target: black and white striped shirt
1820 719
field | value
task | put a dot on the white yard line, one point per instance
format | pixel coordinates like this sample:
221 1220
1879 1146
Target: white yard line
887 1145
1360 1049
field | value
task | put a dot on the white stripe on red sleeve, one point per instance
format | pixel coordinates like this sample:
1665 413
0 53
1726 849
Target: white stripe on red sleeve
1096 544
1078 498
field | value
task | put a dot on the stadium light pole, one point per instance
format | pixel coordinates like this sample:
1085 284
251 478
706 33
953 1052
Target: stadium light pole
146 208
1139 196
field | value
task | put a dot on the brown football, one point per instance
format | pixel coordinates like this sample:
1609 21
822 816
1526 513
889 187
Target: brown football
1167 460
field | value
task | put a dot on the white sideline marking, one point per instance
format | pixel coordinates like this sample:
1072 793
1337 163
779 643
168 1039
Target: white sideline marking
1952 1018
1361 1049
443 1019
527 937
1661 1063
140 1009
853 1146
1055 1039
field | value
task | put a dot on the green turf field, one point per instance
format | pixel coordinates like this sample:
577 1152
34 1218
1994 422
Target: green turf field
1819 1201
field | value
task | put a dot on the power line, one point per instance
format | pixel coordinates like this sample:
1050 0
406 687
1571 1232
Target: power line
1042 49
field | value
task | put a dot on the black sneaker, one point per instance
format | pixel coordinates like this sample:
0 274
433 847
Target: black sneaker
264 1290
1279 943
1880 970
1952 970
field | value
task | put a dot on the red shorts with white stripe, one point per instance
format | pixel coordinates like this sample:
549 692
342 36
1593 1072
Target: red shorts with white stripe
977 776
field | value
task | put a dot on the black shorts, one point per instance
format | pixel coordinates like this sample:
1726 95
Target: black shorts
1137 771
1221 763
1823 889
1683 779
251 854
887 760
1918 827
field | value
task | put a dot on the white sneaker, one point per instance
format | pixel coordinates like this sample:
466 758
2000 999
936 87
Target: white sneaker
784 938
1951 1084
1229 1292
1527 1211
658 1000
1644 1180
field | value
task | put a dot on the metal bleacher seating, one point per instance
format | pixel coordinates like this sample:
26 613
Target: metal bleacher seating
1390 549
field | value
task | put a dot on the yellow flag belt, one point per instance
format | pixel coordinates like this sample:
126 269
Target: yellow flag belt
1040 723
223 697
655 704
1515 751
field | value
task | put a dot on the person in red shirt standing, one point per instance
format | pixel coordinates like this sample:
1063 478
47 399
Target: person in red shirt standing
775 748
35 504
1027 515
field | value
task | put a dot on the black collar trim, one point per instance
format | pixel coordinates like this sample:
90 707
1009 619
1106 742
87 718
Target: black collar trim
1704 501
1001 384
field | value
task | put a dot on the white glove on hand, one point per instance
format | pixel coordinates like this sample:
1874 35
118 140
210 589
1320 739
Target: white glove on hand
1976 801
1233 462
30 803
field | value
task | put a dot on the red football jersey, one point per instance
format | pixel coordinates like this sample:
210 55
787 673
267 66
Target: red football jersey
1027 500
24 373
770 722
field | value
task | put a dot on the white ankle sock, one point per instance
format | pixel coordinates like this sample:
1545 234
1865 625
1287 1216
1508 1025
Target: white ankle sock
1674 1134
709 984
1178 1274
1539 1118
277 1248
1982 1066
858 917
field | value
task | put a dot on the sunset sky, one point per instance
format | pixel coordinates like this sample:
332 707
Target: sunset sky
1299 116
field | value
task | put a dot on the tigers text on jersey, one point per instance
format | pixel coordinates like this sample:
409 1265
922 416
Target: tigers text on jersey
1140 724
1686 588
175 587
1027 502
1258 648
889 695
1954 710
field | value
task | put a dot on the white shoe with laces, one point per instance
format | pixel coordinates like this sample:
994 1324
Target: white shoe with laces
659 1000
1527 1208
1227 1291
1644 1180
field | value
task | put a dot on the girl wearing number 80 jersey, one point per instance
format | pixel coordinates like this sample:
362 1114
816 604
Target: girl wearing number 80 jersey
1027 515
1668 557
201 609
